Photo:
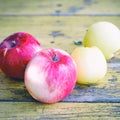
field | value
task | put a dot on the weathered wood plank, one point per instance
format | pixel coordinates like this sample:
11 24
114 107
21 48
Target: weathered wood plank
58 24
107 90
61 33
58 7
59 111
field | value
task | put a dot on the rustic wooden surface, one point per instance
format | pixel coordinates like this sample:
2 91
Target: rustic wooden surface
57 23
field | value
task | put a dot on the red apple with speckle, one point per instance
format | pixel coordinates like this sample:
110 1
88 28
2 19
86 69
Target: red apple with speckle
51 75
16 51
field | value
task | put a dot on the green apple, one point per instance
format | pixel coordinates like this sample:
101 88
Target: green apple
91 64
104 35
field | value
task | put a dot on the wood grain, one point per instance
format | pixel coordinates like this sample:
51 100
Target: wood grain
59 24
61 33
60 111
107 90
59 8
53 31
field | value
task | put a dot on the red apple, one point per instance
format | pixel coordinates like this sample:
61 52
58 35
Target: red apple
15 52
51 75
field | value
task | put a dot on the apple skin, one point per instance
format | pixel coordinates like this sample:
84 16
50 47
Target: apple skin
16 51
91 64
51 75
104 35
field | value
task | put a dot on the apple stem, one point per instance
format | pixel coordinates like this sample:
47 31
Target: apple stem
13 43
55 58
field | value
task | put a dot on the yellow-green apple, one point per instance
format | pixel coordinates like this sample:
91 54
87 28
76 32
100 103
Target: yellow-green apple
50 75
91 64
104 35
16 51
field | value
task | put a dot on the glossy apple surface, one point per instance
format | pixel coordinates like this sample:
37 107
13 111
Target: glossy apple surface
104 35
91 64
51 75
15 52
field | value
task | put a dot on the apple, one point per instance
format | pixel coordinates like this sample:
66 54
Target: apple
16 51
104 35
91 64
50 75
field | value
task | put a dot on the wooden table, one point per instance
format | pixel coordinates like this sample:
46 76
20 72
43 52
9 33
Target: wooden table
58 24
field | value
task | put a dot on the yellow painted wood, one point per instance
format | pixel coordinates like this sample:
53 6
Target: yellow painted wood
60 111
58 7
107 89
53 31
58 23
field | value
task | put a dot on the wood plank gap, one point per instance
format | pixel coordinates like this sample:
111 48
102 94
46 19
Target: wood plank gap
60 14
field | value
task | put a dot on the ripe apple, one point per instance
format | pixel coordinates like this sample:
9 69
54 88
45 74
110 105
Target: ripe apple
104 35
91 64
16 51
51 75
